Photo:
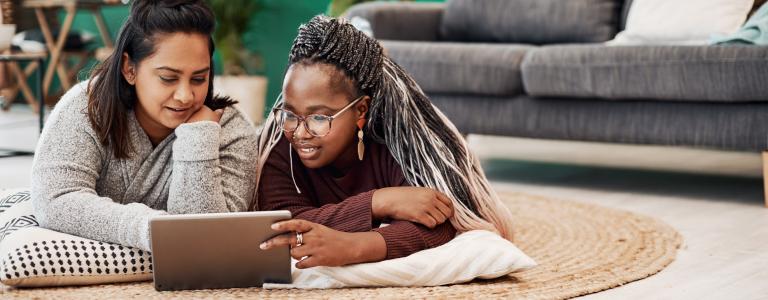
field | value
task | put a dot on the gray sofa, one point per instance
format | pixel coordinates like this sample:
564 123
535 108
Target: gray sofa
539 69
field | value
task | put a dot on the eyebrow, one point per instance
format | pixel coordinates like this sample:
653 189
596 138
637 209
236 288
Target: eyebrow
201 71
311 109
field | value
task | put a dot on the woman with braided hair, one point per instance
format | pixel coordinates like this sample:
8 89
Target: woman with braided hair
353 143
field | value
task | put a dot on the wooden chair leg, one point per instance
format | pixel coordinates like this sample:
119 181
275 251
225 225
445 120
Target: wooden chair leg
102 27
55 47
31 68
21 81
765 177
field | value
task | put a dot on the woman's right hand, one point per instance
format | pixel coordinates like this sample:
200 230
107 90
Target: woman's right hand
206 114
414 204
323 246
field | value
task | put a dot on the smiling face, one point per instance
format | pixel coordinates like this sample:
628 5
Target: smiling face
171 84
323 89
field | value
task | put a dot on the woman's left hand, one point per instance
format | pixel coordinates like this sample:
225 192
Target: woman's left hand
323 246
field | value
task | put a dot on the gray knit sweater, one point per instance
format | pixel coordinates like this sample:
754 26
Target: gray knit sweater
78 187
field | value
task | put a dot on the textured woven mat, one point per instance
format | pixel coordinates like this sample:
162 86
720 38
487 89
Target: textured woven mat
580 248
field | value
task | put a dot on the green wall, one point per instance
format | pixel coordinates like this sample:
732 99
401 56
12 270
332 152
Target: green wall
271 34
114 16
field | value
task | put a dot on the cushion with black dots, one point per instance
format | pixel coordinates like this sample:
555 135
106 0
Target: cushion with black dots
31 256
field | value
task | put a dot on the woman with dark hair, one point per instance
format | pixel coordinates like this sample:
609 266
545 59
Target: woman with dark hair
354 143
145 136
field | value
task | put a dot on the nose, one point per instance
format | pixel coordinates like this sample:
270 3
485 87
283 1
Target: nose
184 93
301 131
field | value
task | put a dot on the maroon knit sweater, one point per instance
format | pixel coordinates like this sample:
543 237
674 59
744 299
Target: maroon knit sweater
344 203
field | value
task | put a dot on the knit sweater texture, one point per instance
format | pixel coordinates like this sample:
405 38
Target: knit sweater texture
80 188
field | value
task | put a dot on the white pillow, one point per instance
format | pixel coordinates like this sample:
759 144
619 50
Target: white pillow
473 254
681 22
15 211
31 256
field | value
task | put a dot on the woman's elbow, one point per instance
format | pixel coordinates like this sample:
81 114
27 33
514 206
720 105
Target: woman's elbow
444 233
42 208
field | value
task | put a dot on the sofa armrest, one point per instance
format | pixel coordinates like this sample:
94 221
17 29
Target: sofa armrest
401 20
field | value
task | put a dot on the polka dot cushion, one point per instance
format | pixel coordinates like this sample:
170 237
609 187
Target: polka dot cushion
31 256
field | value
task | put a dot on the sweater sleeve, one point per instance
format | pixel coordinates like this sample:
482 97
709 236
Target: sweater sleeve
66 167
214 166
277 191
404 238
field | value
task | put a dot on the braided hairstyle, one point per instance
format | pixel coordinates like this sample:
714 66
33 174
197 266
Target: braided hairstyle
427 146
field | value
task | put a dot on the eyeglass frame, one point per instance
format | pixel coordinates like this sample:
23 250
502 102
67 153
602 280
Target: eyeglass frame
304 119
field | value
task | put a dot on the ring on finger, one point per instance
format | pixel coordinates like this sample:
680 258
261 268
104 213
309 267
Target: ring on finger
299 239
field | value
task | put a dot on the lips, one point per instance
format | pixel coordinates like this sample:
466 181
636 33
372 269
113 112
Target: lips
177 109
178 112
307 151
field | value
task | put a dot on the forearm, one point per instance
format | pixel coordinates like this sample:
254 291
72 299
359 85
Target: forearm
68 206
369 247
351 215
207 177
404 238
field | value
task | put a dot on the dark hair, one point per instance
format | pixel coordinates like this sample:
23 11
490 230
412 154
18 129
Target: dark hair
110 96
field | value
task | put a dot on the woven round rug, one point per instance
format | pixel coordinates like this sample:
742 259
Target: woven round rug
581 249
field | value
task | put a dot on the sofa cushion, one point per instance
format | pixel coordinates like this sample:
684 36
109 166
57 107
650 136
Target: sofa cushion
693 73
481 69
741 126
404 21
531 21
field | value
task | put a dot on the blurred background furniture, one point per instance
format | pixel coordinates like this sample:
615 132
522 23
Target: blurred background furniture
13 59
564 83
36 102
57 62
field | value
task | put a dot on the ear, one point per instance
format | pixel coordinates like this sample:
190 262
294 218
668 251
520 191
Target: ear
128 69
362 106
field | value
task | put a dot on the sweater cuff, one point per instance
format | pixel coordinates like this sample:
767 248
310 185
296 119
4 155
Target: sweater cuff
364 204
145 231
197 141
402 239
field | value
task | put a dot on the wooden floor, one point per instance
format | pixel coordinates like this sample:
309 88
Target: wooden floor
721 217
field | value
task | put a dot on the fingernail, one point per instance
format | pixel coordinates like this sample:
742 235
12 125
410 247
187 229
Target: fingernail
275 226
263 246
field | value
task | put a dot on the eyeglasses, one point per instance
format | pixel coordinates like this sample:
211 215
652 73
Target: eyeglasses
316 124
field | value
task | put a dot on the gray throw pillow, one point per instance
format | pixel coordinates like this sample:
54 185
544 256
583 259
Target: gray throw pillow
531 21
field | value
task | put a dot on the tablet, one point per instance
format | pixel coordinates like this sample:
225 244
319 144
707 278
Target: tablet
221 250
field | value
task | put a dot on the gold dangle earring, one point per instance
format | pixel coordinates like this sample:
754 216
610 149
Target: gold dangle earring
360 144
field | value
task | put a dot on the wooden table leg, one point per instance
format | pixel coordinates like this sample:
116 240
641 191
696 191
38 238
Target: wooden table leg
31 67
22 82
56 47
102 26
